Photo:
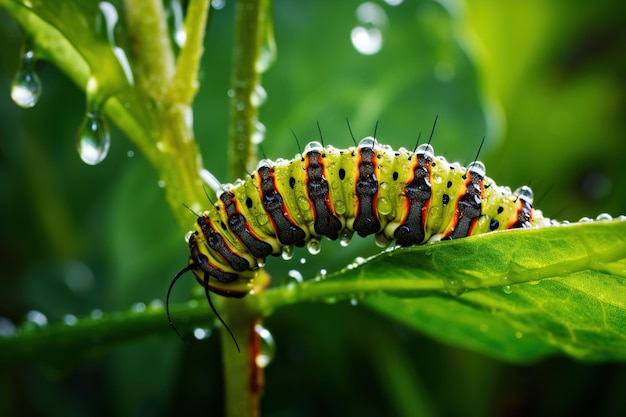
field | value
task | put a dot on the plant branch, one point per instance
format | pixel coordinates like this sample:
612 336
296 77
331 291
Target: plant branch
185 83
251 18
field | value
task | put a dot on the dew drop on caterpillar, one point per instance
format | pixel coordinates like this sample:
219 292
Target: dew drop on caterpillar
410 197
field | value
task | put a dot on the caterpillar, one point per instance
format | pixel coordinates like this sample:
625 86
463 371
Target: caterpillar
410 197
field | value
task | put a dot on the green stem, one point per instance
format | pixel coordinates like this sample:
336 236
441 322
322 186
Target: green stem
185 85
250 20
171 87
244 379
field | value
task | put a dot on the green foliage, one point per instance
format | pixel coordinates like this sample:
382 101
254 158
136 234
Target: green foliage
102 237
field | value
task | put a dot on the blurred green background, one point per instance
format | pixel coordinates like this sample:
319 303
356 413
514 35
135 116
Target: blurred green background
544 82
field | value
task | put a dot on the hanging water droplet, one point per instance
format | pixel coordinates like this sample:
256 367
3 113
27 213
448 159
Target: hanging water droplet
26 87
268 347
94 139
287 252
314 246
507 289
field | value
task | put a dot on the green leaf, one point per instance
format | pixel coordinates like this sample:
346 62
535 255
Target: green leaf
516 295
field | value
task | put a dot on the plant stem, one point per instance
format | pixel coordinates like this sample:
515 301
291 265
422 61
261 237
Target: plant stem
170 87
244 378
250 20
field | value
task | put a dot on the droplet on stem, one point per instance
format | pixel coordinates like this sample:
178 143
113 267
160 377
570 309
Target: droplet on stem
268 347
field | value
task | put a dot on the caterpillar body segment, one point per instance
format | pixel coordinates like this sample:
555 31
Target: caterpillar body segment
412 197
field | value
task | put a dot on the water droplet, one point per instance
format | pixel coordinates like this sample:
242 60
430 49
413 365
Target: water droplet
258 135
519 335
268 347
109 12
70 319
455 287
201 333
507 289
96 314
367 38
294 278
291 283
354 302
156 304
287 252
94 139
130 154
7 328
321 275
267 56
302 261
138 308
340 207
78 277
346 236
367 41
161 184
180 36
604 217
394 2
314 246
37 318
218 4
259 95
26 87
